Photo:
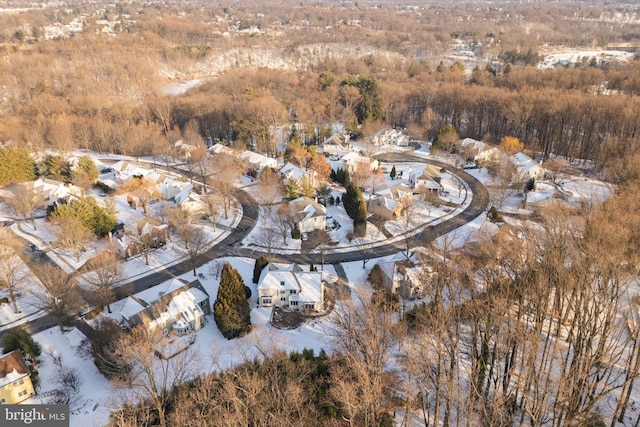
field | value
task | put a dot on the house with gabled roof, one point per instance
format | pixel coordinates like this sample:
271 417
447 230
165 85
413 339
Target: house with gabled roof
353 161
176 307
404 275
15 379
526 168
125 169
390 137
389 204
258 161
51 190
291 171
291 287
143 234
310 215
337 145
429 180
475 150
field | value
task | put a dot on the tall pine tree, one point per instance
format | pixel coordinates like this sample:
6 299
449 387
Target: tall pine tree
231 309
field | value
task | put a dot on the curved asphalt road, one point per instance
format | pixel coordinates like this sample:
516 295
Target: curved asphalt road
228 246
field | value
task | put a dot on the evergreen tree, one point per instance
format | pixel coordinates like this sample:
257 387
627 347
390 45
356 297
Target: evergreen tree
258 267
16 165
19 339
393 172
292 190
231 309
353 202
93 216
56 167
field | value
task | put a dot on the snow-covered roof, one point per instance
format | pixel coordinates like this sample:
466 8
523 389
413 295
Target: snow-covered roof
257 160
353 157
183 306
522 161
12 368
307 283
307 208
131 307
292 171
173 299
219 148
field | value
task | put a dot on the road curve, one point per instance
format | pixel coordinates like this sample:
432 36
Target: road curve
229 245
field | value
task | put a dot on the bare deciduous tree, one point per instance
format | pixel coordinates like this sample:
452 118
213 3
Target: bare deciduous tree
56 292
194 240
24 202
106 272
363 334
73 236
11 267
285 220
226 174
152 377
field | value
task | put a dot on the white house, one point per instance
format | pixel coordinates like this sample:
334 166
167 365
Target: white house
526 168
310 215
472 149
258 161
125 170
291 287
337 145
353 161
390 137
175 306
429 179
51 190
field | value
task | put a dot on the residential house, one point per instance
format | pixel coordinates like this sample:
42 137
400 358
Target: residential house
352 162
291 287
15 380
220 148
310 215
429 180
526 168
389 205
176 307
124 170
404 276
390 137
257 161
140 236
51 190
473 150
336 146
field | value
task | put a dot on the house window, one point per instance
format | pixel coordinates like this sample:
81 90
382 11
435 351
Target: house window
292 291
294 303
282 283
203 303
19 382
266 301
283 299
22 393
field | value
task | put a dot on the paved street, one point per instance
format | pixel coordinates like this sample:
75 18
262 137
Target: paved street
230 245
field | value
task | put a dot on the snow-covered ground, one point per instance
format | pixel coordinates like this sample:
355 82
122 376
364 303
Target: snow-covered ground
97 396
564 57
